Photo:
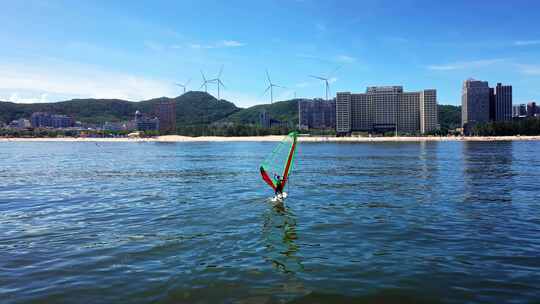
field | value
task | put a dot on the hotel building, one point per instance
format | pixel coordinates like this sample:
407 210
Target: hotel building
480 103
387 108
316 114
166 113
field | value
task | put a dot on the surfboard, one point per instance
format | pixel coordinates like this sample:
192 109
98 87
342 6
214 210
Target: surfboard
280 198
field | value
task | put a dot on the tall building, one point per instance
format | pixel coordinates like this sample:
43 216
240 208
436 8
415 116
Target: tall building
492 105
474 102
503 102
384 101
47 120
317 114
361 112
519 110
429 111
343 113
266 121
408 118
166 113
531 109
387 108
20 123
480 103
144 123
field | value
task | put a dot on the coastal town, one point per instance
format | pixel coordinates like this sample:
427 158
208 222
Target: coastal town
291 152
382 111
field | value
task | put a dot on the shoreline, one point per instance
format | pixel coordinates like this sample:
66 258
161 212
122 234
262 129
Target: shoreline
275 138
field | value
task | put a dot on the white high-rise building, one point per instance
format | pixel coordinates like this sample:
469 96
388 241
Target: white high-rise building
429 118
343 113
387 109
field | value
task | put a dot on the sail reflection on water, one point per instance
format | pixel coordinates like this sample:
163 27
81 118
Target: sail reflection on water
280 239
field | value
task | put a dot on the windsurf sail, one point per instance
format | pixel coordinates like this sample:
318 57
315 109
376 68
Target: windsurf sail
280 161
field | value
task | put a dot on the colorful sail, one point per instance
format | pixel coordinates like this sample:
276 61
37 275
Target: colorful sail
280 162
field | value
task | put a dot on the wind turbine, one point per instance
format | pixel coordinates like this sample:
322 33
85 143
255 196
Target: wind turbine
326 79
218 81
184 86
205 83
270 87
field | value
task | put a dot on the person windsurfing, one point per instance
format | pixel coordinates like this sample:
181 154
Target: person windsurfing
280 160
279 185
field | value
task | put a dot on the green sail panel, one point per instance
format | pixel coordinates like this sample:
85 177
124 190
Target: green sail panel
280 161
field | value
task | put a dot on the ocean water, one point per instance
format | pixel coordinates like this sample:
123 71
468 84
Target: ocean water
455 222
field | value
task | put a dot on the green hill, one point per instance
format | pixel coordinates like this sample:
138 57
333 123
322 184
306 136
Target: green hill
191 108
282 110
449 117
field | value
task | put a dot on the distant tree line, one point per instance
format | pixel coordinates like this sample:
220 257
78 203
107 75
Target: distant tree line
528 126
231 130
37 133
53 133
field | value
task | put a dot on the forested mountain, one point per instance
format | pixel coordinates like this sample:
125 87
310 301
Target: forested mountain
281 110
192 108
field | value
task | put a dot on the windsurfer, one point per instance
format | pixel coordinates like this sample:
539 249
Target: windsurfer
279 185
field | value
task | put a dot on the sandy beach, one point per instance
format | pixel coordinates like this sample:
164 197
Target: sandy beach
274 138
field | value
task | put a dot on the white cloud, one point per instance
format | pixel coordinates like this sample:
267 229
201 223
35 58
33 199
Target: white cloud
244 100
395 39
526 42
345 59
529 69
154 46
26 97
217 45
461 65
231 43
40 82
195 46
303 84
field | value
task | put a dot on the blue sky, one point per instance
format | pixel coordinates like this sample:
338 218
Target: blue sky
56 50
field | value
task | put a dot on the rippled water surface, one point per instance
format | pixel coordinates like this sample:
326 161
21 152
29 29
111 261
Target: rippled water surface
191 223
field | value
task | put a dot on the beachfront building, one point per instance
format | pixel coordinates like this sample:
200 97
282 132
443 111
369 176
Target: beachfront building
532 109
119 126
387 108
474 103
20 123
166 113
343 113
480 103
266 121
47 120
317 114
145 123
519 110
503 102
